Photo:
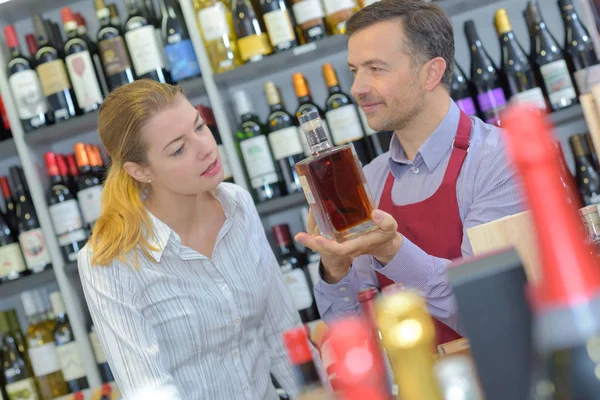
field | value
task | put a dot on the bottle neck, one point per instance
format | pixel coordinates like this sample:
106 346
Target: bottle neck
71 29
305 99
276 107
37 318
56 180
15 51
333 89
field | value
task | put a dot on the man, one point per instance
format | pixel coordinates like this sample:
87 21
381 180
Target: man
444 172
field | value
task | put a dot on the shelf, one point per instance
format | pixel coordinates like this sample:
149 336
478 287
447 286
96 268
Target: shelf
16 10
281 204
568 115
7 149
25 283
71 268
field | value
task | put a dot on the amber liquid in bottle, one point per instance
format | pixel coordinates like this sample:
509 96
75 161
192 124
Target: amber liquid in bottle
334 184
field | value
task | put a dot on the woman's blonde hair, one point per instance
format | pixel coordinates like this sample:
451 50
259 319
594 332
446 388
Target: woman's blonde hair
124 224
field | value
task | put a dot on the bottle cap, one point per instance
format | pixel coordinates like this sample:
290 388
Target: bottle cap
73 170
501 21
300 85
282 234
81 155
296 343
312 126
58 304
78 396
578 145
67 14
6 192
51 164
330 75
106 389
10 36
89 149
98 155
80 20
31 44
62 165
272 93
242 103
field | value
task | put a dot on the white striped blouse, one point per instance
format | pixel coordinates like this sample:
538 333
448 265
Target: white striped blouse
188 327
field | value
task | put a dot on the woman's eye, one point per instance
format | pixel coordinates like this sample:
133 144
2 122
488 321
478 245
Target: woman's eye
179 151
200 127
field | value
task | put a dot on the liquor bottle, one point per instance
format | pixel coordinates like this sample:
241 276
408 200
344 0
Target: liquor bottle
586 176
15 372
279 24
458 378
343 119
256 152
100 356
549 62
78 57
337 13
520 79
579 49
69 356
64 212
284 139
300 356
25 85
306 104
209 120
10 205
31 236
53 75
408 335
145 50
89 188
113 52
294 266
179 49
115 20
215 22
568 182
253 42
593 154
335 185
460 91
570 281
42 350
485 77
310 23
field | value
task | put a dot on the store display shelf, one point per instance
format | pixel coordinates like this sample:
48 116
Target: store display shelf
568 115
27 282
7 149
281 204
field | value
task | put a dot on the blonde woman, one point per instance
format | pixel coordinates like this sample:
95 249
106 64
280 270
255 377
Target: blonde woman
181 283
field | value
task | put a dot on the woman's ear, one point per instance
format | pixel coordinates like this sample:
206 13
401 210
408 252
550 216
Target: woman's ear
137 172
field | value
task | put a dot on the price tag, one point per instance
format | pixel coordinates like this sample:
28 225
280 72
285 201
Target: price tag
307 48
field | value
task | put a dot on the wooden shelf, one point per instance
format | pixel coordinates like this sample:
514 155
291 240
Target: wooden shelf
32 281
280 204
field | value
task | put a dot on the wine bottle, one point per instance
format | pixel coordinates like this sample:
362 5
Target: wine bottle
566 178
78 57
31 236
306 104
142 42
100 356
253 42
89 187
154 18
69 356
294 267
9 203
73 172
115 20
521 83
17 334
593 154
549 61
586 176
579 49
310 22
485 77
64 212
337 13
12 264
25 85
53 75
565 299
14 370
179 49
343 119
215 22
279 24
209 120
256 152
284 139
460 91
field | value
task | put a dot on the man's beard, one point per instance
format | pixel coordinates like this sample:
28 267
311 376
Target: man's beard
402 115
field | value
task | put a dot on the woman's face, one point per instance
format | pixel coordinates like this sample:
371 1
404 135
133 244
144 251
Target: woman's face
182 154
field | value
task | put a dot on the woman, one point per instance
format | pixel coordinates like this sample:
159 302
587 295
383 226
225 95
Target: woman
181 283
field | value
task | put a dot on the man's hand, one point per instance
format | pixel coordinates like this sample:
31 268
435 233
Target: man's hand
382 243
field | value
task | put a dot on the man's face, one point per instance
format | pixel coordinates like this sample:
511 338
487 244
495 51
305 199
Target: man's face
386 83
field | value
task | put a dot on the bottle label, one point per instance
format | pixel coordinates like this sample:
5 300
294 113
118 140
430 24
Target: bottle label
44 359
99 353
533 96
182 60
71 363
279 27
11 260
333 6
258 161
492 100
467 105
34 248
308 10
368 130
53 77
114 55
225 162
28 95
306 188
91 204
22 390
65 217
285 143
586 78
84 80
345 124
213 22
254 46
299 289
144 49
558 83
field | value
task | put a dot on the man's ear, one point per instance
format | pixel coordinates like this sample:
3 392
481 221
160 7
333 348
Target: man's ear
433 72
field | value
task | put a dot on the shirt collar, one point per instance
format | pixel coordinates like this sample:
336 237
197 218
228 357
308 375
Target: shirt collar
435 147
162 232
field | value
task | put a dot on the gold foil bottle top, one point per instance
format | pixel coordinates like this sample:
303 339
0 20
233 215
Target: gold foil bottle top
330 75
501 22
577 146
272 93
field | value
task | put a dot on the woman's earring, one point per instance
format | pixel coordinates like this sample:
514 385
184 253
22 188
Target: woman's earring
149 180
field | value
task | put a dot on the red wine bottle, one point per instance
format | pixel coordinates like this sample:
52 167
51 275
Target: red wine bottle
460 91
9 203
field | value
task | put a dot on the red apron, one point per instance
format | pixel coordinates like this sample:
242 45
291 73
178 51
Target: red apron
434 224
